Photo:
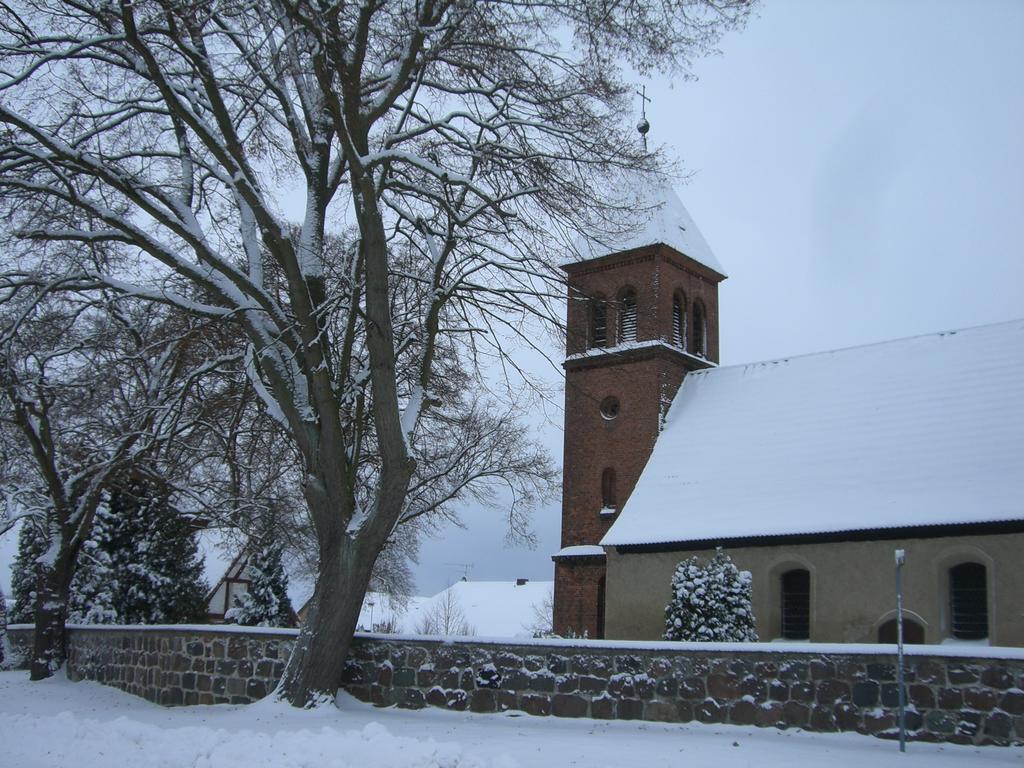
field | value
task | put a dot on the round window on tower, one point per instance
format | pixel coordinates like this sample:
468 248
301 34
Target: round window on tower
610 407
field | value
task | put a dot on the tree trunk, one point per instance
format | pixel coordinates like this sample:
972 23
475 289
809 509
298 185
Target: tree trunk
49 649
314 670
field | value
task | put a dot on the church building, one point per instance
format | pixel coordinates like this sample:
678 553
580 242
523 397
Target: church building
808 471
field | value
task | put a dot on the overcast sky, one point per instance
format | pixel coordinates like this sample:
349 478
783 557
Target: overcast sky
858 169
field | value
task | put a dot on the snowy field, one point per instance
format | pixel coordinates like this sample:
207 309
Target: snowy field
58 723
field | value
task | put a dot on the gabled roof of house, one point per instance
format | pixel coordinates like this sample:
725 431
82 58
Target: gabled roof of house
489 608
668 222
925 431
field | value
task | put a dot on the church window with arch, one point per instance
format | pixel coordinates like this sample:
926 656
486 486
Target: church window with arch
796 604
968 601
627 317
608 500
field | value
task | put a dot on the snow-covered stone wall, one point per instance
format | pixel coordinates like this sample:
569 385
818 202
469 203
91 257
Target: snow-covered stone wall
952 695
174 665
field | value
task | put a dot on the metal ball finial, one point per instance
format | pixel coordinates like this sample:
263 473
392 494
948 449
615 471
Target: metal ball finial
643 126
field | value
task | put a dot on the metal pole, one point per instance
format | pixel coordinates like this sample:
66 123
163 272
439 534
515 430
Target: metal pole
901 558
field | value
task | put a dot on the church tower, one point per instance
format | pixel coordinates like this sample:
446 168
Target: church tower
639 319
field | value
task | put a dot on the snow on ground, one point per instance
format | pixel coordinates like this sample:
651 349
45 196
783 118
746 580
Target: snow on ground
59 723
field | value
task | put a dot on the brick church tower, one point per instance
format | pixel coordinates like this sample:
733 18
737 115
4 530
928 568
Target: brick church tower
638 320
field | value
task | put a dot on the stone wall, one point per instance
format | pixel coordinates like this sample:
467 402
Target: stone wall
175 665
951 697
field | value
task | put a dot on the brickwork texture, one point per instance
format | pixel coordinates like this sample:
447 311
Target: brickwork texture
643 379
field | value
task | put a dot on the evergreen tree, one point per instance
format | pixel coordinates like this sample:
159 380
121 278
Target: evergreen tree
25 573
266 602
141 565
710 602
96 584
3 626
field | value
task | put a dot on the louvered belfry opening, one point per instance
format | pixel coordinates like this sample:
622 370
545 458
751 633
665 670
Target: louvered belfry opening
679 321
598 323
627 317
796 604
700 330
968 598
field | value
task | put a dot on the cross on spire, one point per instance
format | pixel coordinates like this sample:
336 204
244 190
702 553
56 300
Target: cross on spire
643 126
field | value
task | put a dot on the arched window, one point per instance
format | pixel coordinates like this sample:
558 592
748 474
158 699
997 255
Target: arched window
608 489
700 330
679 320
627 317
913 633
796 604
598 322
968 601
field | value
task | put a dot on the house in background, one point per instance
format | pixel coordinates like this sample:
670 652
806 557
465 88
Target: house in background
228 584
505 609
809 471
225 567
514 608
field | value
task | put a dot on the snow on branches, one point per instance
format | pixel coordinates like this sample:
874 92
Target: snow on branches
465 145
710 603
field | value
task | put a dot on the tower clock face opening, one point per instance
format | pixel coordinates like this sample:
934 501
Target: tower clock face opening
610 407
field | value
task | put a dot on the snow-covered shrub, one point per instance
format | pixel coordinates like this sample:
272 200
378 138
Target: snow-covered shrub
266 602
710 602
141 564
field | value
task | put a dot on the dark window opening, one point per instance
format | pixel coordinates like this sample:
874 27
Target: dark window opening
600 608
968 598
598 323
700 330
627 318
610 407
608 488
796 604
679 321
913 633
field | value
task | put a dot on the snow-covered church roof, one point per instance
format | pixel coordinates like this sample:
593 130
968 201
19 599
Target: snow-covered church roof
668 222
915 432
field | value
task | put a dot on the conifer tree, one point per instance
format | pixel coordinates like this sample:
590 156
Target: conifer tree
710 603
141 564
266 602
24 573
3 626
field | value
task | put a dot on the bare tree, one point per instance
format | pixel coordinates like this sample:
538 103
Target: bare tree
90 387
543 620
468 142
445 617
